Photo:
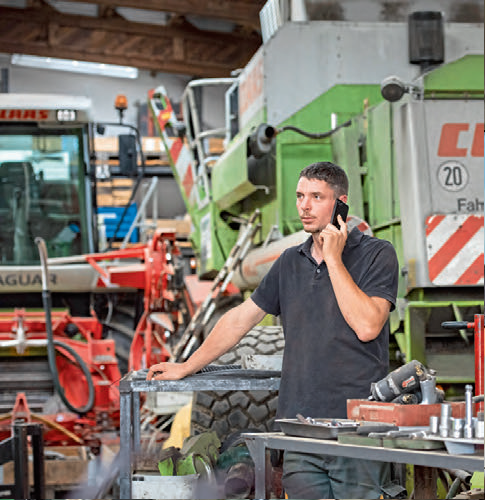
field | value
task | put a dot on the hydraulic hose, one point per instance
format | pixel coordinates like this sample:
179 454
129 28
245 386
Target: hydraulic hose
51 343
312 135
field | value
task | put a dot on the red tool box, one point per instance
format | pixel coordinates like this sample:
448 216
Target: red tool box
399 414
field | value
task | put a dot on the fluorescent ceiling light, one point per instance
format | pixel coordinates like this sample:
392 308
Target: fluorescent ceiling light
144 16
78 9
90 68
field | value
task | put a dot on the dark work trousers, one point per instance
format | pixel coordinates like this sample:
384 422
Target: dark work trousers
309 476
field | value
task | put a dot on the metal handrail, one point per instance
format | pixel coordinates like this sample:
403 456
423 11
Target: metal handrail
141 214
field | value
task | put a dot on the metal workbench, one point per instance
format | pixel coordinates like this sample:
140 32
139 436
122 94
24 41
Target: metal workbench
257 444
135 382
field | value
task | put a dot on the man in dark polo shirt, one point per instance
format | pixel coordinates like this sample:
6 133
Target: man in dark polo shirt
333 294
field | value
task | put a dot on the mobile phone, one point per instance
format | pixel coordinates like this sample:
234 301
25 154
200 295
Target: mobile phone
340 208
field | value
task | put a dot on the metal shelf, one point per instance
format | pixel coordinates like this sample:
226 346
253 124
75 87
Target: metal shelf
132 384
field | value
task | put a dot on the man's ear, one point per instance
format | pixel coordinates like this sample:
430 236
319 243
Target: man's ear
344 198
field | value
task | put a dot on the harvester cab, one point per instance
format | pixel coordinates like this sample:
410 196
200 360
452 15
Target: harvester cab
48 189
43 172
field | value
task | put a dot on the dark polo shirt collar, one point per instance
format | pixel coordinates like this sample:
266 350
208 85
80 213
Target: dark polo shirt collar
353 239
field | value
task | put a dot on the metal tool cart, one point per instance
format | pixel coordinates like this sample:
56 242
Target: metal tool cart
257 444
135 382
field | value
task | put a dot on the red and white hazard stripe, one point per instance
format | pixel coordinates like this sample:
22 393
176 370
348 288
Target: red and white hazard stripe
183 165
179 151
455 249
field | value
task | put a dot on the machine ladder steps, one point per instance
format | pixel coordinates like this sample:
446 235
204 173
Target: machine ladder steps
205 311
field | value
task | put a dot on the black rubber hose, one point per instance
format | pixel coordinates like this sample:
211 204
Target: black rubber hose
51 343
312 135
91 393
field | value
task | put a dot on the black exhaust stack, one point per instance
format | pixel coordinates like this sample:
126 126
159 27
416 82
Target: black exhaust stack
426 39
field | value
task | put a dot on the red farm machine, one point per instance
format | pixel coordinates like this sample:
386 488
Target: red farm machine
72 362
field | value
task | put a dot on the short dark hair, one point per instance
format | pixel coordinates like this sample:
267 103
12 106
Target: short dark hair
332 174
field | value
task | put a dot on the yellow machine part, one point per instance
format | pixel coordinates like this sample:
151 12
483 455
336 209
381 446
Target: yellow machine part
180 429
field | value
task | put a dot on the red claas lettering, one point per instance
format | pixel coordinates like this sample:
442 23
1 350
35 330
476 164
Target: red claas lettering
24 114
450 137
477 146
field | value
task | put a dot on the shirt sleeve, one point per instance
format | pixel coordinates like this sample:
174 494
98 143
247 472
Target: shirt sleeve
267 296
381 278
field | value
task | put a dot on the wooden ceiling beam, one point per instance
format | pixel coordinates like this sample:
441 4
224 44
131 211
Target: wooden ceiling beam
243 12
99 40
46 15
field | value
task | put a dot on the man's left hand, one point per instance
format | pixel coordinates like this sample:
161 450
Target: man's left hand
333 241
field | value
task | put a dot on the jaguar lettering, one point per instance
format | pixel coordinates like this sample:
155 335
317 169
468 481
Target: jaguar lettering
24 279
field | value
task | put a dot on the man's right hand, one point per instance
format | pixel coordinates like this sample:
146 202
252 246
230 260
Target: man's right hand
229 330
167 371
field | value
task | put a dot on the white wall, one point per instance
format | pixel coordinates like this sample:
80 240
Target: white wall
102 90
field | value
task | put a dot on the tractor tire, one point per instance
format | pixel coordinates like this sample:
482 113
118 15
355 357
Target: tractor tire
228 412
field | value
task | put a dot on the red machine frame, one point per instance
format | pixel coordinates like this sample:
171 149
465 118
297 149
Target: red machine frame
22 330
